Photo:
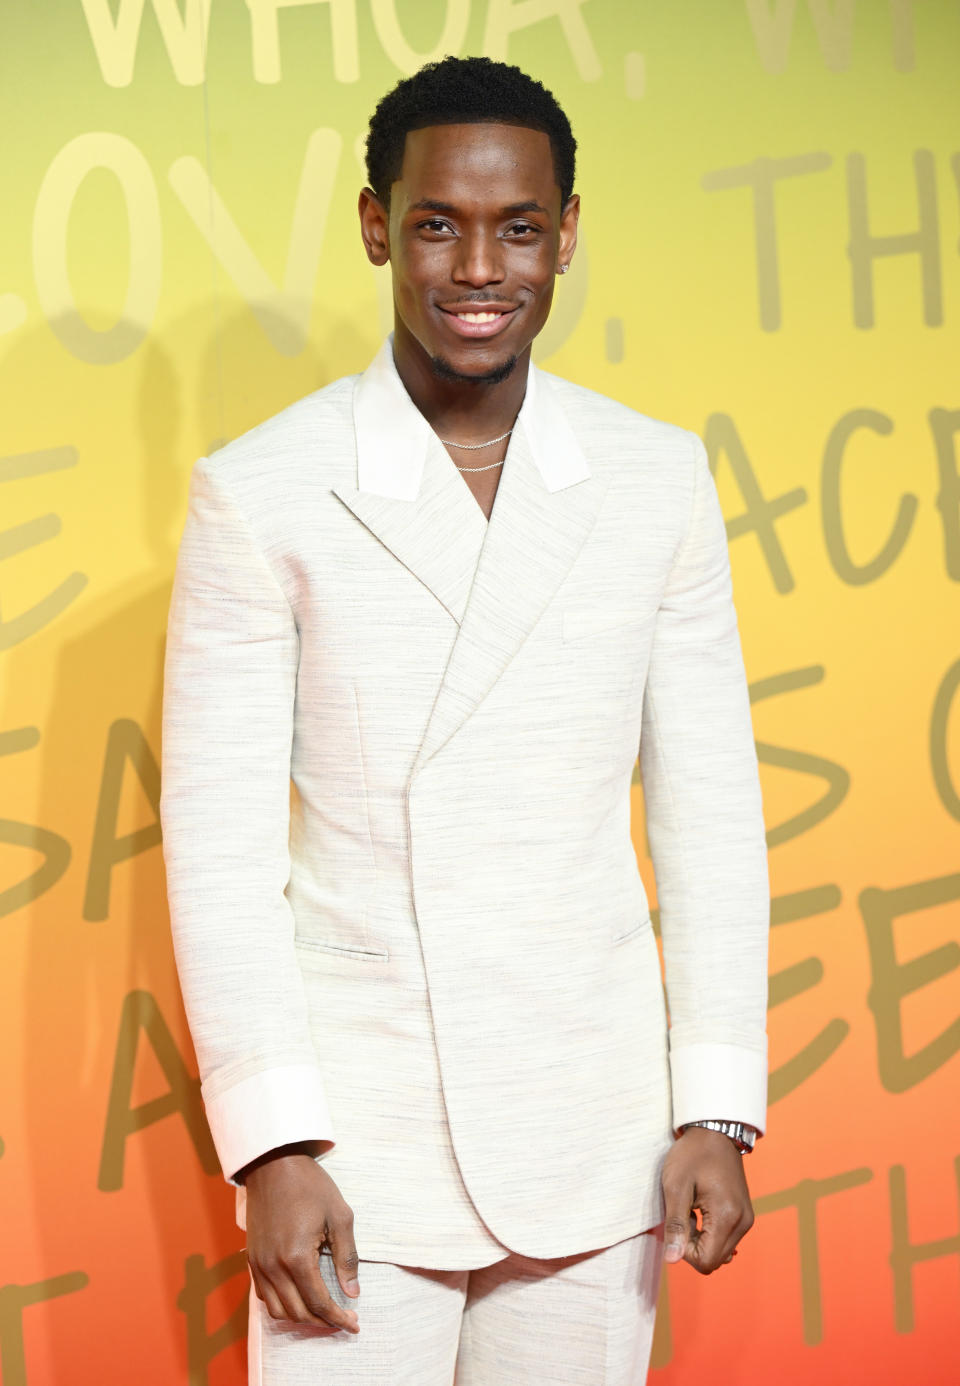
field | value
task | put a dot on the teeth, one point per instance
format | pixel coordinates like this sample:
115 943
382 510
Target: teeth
479 317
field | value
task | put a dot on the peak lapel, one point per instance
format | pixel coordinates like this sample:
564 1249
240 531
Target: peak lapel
532 539
409 493
437 536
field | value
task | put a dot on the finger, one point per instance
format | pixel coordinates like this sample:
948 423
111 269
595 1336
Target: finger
283 1279
717 1238
280 1296
678 1200
300 1313
266 1292
318 1303
344 1252
739 1230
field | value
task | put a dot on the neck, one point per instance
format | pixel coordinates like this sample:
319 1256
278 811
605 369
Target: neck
466 412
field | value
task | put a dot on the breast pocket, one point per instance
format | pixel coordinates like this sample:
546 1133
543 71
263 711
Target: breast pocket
582 622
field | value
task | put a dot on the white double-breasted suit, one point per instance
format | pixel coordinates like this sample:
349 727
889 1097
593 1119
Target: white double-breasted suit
434 948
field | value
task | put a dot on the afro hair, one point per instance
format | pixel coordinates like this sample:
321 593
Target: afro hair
465 91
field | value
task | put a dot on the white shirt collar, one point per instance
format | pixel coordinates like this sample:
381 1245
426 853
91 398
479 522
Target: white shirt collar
393 436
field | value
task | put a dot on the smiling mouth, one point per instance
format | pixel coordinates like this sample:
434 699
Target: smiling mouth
478 324
478 314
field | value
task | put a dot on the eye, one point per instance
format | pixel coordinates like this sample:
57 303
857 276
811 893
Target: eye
434 224
522 228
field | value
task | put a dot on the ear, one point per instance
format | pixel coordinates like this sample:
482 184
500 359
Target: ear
569 219
374 227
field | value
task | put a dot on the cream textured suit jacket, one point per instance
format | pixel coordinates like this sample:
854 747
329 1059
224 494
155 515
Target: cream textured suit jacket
434 948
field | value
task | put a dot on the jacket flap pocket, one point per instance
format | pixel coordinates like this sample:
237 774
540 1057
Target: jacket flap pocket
339 950
641 926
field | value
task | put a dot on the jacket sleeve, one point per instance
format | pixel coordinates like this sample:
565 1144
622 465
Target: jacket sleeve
706 829
228 703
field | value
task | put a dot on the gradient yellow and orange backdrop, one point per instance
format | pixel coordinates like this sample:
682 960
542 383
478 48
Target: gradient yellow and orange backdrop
769 256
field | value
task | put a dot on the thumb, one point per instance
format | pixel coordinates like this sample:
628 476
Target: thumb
344 1253
676 1224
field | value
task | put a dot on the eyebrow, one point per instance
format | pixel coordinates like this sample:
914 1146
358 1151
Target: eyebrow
429 204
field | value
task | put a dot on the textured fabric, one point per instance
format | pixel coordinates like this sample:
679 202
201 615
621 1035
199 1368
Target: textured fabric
441 923
578 1321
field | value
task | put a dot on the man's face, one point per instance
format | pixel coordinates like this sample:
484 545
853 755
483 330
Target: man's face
475 237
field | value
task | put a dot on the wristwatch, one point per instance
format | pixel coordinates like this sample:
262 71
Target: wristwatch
742 1135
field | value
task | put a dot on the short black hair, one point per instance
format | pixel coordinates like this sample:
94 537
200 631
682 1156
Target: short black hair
465 91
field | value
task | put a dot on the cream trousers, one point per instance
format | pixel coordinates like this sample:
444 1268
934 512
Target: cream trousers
584 1320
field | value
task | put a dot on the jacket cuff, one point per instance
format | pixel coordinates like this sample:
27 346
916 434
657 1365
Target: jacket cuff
274 1107
723 1082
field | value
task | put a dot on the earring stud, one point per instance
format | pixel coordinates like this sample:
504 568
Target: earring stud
564 268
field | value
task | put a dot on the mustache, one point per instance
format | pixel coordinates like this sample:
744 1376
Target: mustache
485 299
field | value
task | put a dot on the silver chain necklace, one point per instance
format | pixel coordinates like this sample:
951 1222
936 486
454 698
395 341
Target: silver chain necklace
475 447
481 469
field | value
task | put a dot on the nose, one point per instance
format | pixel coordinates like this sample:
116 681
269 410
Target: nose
479 260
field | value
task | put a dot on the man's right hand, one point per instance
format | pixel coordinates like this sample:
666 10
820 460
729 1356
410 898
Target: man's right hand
293 1209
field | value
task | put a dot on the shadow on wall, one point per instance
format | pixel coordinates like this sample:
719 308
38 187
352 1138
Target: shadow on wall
123 1181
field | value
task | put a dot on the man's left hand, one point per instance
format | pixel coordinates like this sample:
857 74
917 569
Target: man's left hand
704 1170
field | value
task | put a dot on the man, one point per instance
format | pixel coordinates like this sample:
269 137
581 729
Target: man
451 599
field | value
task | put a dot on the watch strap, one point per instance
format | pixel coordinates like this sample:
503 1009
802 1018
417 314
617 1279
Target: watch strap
742 1135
